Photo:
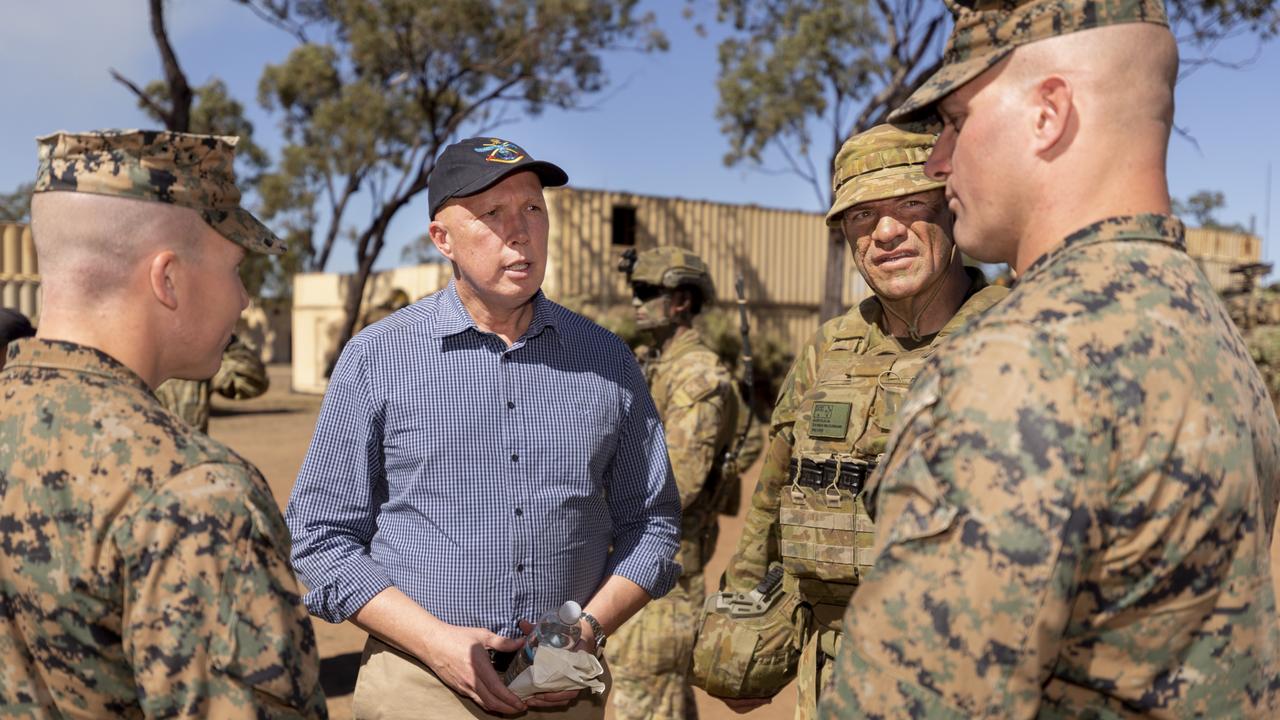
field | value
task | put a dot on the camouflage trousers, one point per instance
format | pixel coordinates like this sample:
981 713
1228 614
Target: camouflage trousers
651 655
817 661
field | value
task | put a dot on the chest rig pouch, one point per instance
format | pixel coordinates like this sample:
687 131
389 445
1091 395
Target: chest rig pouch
842 425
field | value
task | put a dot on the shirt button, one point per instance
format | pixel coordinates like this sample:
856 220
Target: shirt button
520 567
515 457
519 512
510 405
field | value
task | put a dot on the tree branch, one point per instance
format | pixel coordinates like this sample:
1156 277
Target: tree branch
146 100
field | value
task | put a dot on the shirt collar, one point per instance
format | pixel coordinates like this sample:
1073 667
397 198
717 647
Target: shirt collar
69 356
453 317
1148 226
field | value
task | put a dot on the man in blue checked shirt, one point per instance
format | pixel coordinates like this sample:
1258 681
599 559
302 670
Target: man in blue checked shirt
482 456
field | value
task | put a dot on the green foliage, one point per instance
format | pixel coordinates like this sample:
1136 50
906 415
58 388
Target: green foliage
800 76
366 113
215 112
788 62
1202 207
16 206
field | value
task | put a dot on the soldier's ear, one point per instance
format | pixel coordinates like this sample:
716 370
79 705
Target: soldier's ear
681 301
1054 110
162 273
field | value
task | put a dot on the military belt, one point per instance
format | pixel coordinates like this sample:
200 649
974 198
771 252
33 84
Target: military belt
849 475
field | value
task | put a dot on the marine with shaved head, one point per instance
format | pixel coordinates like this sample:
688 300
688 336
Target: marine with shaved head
144 567
1075 507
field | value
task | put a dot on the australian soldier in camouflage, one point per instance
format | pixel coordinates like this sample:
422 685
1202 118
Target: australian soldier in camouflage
843 392
695 396
144 567
240 377
1077 501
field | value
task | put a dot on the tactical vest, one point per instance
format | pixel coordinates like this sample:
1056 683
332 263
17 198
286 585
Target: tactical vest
842 426
699 529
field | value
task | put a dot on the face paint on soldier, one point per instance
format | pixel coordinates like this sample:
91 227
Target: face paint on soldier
901 245
651 306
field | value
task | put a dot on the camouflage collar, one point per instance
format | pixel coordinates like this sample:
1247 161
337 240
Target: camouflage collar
63 355
687 342
452 317
1149 226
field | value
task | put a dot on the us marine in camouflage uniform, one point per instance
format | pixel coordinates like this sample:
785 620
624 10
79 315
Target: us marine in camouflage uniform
1074 513
240 377
695 396
841 396
145 569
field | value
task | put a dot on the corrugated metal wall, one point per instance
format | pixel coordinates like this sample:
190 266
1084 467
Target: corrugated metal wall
1218 250
19 271
782 254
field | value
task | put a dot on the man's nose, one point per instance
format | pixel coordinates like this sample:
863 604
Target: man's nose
888 229
636 302
938 166
519 231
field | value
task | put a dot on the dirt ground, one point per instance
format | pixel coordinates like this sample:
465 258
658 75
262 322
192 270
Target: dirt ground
273 432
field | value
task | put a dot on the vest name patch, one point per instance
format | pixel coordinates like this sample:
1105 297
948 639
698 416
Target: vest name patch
830 420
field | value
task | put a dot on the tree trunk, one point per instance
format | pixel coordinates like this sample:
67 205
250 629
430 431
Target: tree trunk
351 308
833 288
180 95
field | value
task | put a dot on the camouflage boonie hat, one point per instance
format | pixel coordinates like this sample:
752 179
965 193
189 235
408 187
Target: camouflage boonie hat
671 267
883 162
194 171
988 30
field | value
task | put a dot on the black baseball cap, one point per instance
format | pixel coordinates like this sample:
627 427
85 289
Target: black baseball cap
473 165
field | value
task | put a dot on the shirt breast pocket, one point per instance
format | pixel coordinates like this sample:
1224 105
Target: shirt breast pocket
589 434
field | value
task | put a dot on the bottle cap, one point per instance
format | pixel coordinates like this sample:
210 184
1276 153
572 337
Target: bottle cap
570 613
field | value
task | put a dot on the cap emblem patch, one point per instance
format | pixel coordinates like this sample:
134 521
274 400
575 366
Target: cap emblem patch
501 151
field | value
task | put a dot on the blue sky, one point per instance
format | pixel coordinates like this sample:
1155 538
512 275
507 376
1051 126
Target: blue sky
652 131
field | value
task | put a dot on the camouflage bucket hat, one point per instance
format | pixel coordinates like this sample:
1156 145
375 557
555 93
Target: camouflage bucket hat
194 171
988 30
883 162
671 267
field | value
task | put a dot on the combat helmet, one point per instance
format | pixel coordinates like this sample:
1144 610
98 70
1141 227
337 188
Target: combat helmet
668 267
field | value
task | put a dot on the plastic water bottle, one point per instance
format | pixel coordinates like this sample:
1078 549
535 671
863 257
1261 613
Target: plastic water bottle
558 628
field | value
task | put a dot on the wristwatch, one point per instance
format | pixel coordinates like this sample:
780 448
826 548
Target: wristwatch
595 630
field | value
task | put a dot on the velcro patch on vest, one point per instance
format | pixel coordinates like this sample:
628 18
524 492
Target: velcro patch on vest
825 520
829 420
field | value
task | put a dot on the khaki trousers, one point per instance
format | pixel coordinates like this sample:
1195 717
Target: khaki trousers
393 685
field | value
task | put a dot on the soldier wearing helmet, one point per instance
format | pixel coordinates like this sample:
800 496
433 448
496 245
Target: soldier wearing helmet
839 401
695 396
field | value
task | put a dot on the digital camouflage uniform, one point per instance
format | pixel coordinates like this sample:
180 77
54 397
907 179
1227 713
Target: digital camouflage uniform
695 396
1076 504
240 377
144 567
831 423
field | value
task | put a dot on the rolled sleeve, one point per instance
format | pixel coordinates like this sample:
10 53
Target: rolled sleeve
333 508
644 503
